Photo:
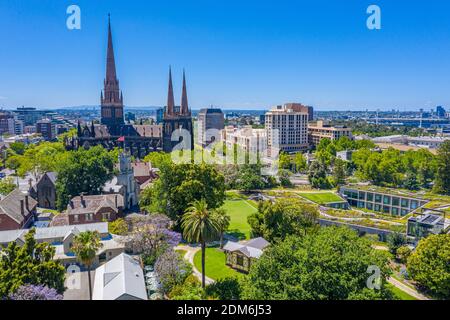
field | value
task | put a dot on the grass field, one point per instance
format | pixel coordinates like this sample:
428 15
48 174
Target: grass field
239 210
321 197
215 264
399 293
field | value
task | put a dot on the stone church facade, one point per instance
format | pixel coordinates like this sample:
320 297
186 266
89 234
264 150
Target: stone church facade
138 140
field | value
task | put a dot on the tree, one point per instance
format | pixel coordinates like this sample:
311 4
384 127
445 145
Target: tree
151 236
18 147
180 184
284 161
35 292
201 227
250 178
429 264
224 289
83 171
331 264
276 221
85 246
339 172
223 221
317 175
191 289
284 177
29 264
395 240
7 186
300 163
403 254
171 270
442 181
118 227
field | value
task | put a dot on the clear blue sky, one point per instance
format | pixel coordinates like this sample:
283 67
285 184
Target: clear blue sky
237 53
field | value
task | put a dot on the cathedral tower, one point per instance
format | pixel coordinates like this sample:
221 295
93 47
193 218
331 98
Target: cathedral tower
111 96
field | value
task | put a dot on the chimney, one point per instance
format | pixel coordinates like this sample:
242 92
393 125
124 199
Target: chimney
116 200
22 210
27 203
83 203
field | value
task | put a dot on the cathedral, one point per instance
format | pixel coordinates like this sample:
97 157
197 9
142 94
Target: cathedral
138 140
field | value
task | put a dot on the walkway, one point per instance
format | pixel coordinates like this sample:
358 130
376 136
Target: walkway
407 289
189 256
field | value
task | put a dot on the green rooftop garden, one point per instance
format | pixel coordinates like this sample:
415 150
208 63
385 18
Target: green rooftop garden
321 197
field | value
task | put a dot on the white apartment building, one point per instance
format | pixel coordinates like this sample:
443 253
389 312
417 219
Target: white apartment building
246 139
287 129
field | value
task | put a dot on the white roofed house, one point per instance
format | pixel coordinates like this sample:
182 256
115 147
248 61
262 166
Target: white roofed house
121 278
61 238
240 255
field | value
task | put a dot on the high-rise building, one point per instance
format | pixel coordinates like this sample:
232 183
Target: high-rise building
248 141
47 129
210 122
287 129
6 124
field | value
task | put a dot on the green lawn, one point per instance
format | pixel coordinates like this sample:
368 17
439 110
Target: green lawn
239 210
399 293
215 264
321 197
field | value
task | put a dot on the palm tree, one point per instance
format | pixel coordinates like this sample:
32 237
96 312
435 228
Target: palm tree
200 226
223 219
85 246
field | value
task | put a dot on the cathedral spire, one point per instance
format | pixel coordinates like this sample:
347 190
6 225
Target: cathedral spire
111 75
170 97
184 98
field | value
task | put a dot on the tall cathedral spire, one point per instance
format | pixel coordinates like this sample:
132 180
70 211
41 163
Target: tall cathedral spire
170 97
111 75
184 98
111 97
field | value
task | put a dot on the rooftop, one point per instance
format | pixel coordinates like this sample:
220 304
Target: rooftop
119 279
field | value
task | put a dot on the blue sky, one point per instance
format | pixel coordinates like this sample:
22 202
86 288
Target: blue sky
237 54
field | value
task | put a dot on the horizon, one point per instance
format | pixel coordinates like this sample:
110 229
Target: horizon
236 58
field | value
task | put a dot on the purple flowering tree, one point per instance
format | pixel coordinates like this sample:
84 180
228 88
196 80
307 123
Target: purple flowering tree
35 292
171 270
151 236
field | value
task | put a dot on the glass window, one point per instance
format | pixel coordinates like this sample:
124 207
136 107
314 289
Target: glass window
369 206
387 200
360 204
404 212
378 198
377 207
369 196
386 209
362 195
395 201
414 204
405 203
394 211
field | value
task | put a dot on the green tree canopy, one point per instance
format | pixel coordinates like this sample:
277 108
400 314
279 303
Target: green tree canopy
31 263
83 171
442 182
285 217
331 264
429 264
180 184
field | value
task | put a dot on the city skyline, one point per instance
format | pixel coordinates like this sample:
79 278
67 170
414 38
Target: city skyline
384 69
